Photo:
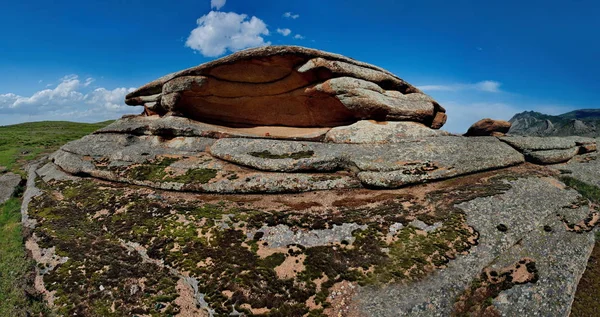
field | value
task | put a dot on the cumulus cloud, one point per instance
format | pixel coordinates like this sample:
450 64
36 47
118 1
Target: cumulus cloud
299 37
291 15
284 32
485 86
217 4
219 32
69 100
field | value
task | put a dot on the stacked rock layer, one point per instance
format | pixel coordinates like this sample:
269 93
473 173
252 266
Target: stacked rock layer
288 86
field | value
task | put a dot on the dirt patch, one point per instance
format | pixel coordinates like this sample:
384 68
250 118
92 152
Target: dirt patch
187 302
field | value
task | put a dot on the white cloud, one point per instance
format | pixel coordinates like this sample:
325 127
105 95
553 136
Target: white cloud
290 15
219 32
299 37
284 32
217 4
88 81
486 86
69 100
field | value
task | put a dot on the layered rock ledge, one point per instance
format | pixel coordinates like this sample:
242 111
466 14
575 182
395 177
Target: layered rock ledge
288 86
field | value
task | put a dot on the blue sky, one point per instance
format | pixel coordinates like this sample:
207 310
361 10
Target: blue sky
75 60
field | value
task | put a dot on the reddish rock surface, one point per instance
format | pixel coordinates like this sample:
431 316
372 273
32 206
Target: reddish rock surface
288 86
487 127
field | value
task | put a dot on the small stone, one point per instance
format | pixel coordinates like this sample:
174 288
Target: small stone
502 227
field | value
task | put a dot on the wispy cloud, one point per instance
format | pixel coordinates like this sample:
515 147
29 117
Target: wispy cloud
219 32
88 81
291 15
284 32
299 37
486 86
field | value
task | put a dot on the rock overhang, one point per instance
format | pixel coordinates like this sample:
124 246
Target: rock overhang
288 86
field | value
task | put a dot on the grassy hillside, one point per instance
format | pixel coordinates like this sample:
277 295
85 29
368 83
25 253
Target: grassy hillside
18 144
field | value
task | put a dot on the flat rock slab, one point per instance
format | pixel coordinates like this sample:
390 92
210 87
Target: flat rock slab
389 165
524 210
288 86
539 143
560 259
551 150
551 156
8 185
371 132
179 164
174 126
585 168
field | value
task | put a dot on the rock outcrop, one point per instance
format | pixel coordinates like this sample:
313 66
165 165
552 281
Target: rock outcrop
551 150
8 185
370 211
488 127
288 86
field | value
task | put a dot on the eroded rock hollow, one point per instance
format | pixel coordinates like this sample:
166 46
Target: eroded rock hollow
288 86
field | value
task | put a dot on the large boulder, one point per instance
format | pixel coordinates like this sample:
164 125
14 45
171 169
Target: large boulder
288 86
487 127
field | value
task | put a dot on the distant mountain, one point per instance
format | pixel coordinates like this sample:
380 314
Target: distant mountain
585 122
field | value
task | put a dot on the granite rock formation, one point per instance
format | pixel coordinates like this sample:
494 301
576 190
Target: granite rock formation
487 127
363 209
288 86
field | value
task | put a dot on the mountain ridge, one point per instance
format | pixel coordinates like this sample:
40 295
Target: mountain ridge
582 122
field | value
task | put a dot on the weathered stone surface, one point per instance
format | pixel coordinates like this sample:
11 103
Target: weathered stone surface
390 165
180 164
551 156
288 86
174 126
585 168
437 158
8 185
539 143
367 100
524 209
560 259
439 120
487 127
551 150
371 132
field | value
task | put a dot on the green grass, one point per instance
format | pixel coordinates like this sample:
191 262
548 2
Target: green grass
14 265
19 144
